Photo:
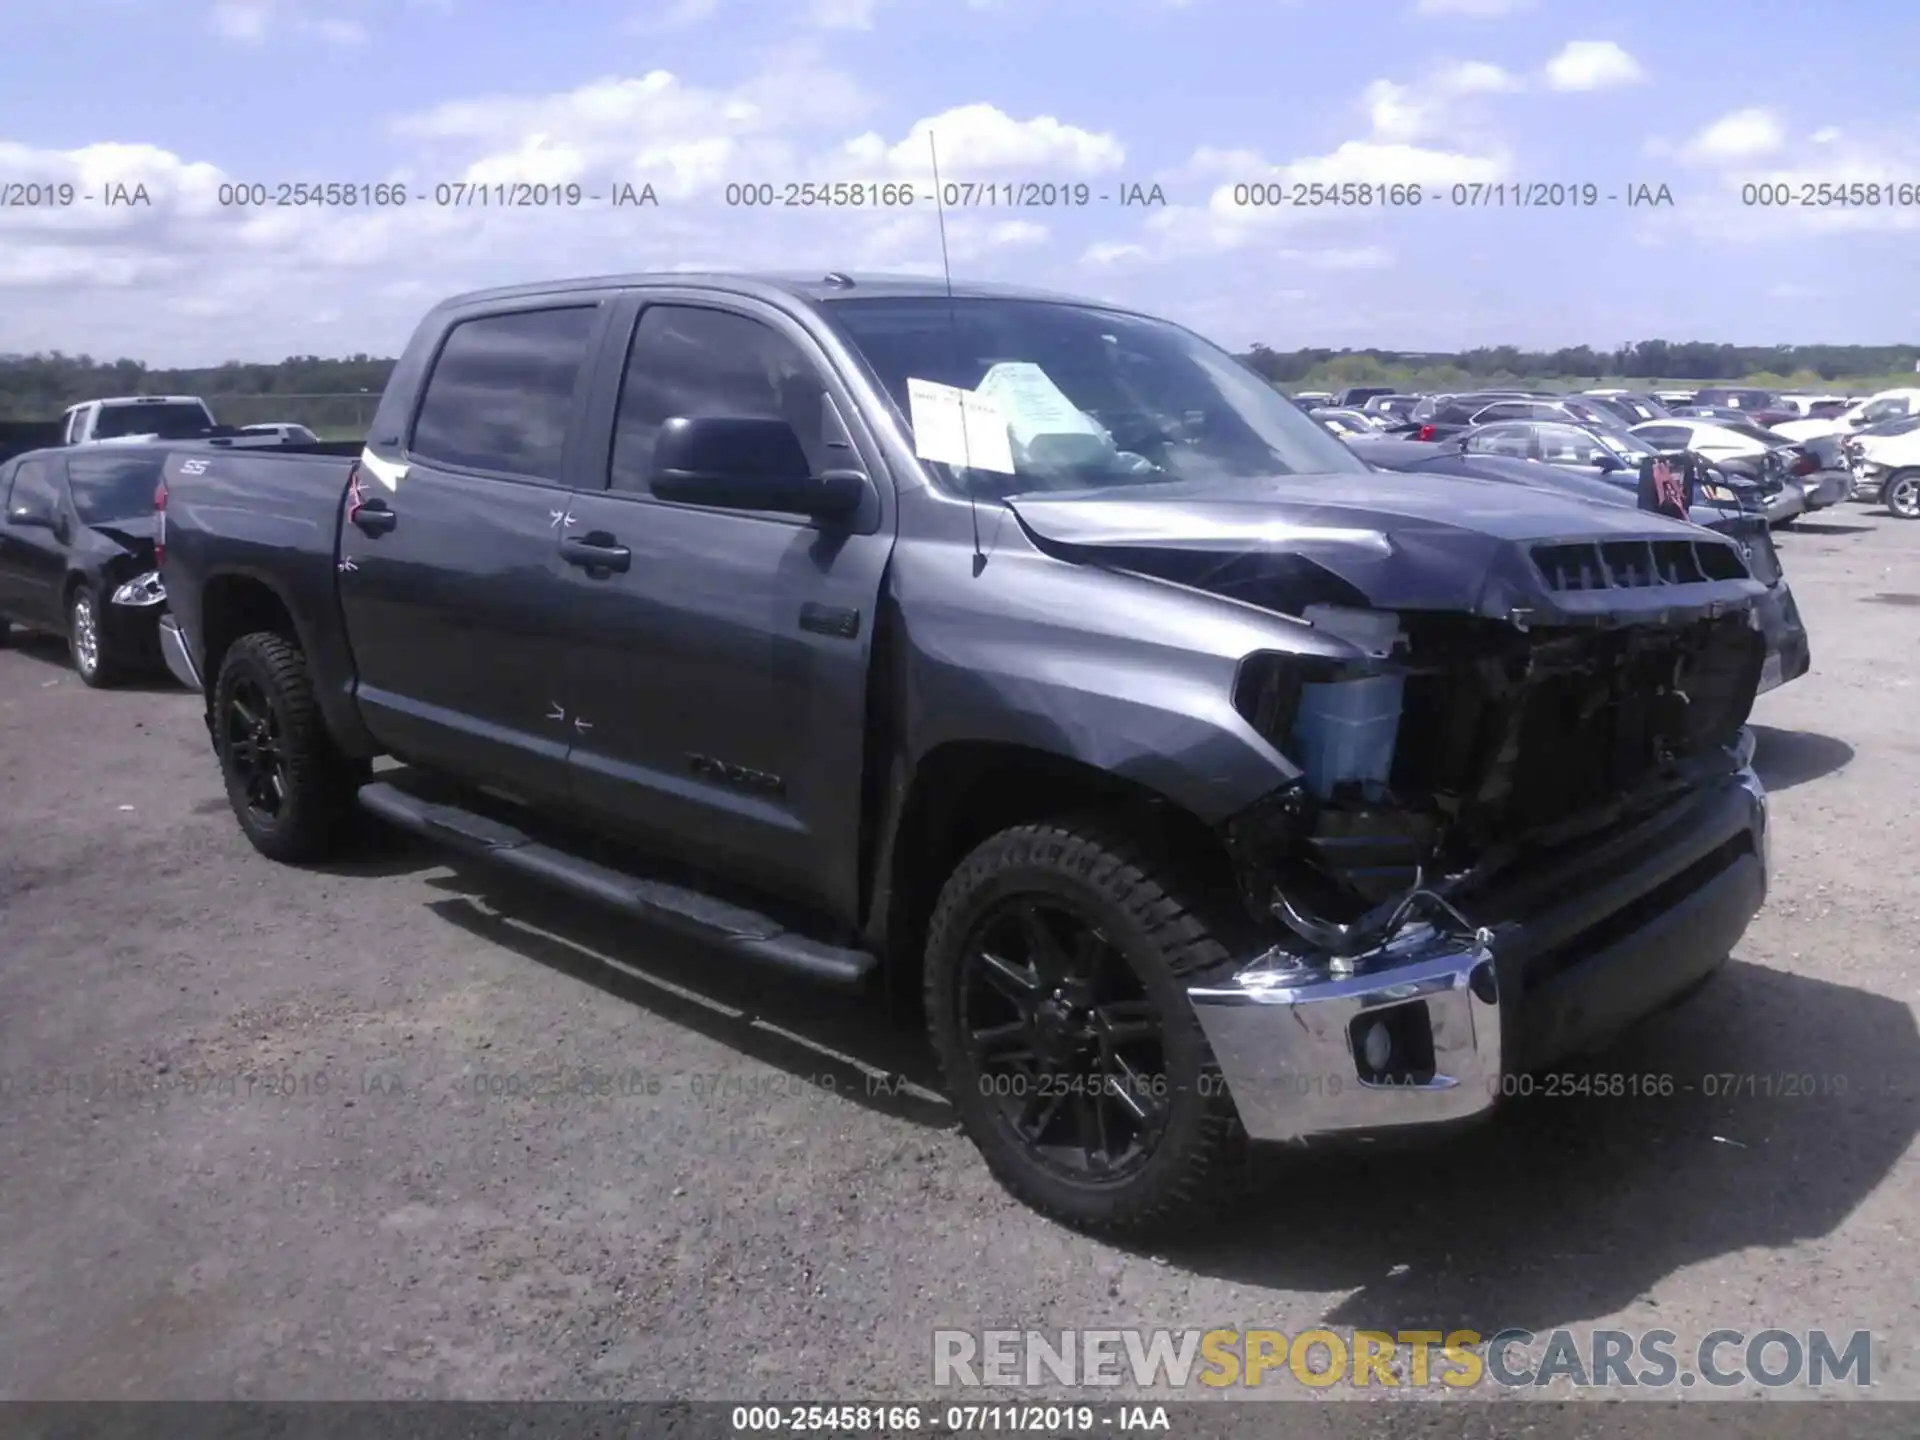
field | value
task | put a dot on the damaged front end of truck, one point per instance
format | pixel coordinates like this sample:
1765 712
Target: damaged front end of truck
1523 818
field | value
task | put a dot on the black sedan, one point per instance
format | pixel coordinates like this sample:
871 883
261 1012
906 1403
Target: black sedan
76 555
1728 506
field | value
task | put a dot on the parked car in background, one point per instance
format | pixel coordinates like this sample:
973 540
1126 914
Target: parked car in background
1577 409
1745 450
129 417
1438 417
1630 406
1723 504
1888 465
280 430
76 555
1109 794
1345 422
1877 408
1810 406
1355 397
1736 397
1672 399
1391 409
1310 399
1725 413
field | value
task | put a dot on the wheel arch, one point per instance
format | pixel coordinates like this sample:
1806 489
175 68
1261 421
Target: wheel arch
962 792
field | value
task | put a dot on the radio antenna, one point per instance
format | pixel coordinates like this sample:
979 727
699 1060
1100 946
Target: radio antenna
953 335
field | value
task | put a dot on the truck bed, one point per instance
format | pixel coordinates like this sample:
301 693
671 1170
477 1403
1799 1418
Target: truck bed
238 509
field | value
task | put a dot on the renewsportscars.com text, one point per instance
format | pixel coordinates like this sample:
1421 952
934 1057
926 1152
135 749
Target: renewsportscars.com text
1458 1359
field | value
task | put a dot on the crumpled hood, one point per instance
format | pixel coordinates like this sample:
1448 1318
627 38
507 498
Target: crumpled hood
1404 541
134 533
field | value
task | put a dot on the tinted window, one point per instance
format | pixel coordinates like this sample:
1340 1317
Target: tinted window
1512 440
34 489
169 422
1888 409
688 362
501 393
113 487
1568 445
1135 400
1751 431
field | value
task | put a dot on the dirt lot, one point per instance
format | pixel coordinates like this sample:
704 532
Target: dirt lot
249 1144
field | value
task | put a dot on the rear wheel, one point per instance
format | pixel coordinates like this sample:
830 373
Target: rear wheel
290 788
1057 962
1901 491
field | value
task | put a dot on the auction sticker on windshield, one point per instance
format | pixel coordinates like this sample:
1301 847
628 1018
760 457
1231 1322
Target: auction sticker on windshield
957 427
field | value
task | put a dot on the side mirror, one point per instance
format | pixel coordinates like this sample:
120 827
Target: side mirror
748 463
28 518
1609 462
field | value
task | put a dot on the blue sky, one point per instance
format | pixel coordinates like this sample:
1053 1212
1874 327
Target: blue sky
1195 96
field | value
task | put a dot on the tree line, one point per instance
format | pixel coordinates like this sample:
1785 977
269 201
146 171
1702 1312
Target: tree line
339 392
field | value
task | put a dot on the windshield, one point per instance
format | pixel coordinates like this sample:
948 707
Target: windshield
116 487
168 421
1092 398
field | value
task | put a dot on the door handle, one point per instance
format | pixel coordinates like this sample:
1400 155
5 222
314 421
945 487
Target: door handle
596 551
374 518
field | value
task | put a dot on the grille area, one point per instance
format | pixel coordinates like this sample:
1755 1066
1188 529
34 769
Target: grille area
1636 564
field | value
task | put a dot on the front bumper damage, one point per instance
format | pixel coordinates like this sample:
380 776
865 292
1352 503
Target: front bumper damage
1560 959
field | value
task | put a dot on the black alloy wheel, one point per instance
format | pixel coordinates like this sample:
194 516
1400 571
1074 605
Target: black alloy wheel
256 758
1058 960
1064 1037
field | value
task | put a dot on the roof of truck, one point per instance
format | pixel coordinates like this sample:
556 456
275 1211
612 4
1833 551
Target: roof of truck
815 287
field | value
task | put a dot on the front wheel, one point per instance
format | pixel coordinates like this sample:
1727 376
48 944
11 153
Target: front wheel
1057 961
87 641
290 788
1901 492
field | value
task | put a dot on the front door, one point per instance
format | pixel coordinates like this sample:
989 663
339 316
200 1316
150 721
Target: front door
33 558
721 675
450 585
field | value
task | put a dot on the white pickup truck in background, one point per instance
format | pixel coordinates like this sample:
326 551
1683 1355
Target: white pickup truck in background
136 417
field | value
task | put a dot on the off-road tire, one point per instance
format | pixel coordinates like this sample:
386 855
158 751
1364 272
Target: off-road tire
1201 1164
86 616
1900 493
318 812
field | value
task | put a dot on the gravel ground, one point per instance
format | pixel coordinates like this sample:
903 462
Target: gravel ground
248 1144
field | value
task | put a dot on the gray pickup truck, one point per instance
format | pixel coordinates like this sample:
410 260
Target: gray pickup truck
1199 783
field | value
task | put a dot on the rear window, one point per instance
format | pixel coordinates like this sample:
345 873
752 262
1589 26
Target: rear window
501 394
168 420
114 487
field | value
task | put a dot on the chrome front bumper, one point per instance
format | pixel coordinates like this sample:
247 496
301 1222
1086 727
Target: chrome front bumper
173 649
1290 1035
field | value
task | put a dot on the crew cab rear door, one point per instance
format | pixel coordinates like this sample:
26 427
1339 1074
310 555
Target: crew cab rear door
718 678
450 586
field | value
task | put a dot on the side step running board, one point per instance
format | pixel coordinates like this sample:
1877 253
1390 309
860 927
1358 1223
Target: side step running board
733 928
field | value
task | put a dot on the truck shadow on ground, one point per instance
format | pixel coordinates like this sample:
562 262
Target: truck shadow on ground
839 1042
1786 758
1792 1101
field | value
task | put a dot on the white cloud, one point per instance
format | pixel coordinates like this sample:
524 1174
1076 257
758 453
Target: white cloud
1593 65
1472 9
249 280
1476 77
255 22
1742 135
1846 182
1111 252
1826 135
842 14
666 15
983 140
